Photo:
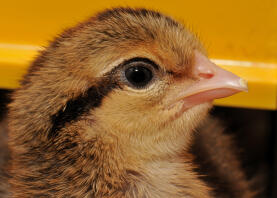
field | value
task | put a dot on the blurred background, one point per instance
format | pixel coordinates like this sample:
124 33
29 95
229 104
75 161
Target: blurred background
240 36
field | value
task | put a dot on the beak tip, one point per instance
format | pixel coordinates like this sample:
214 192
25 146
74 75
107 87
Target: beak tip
243 84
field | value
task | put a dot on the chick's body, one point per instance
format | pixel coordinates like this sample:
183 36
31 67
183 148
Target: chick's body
93 117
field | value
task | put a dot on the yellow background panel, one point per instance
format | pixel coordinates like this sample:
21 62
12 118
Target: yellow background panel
239 35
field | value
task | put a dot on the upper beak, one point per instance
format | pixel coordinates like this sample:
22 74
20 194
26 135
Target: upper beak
214 82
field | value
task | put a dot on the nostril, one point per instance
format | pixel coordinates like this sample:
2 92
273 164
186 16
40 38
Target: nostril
206 75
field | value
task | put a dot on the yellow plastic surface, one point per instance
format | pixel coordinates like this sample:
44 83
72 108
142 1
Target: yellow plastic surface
240 35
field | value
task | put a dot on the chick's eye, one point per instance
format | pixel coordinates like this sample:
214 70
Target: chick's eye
138 76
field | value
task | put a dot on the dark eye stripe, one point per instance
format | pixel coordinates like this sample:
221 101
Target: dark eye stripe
91 99
81 105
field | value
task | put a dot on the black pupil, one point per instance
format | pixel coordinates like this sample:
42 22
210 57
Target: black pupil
138 76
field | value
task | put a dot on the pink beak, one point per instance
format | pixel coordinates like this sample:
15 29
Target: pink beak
213 83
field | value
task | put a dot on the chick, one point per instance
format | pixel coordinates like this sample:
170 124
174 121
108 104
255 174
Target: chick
109 109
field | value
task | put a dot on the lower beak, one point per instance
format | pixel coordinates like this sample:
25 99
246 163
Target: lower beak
214 82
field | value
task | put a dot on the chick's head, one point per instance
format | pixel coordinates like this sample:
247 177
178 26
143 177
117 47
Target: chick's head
148 58
121 73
